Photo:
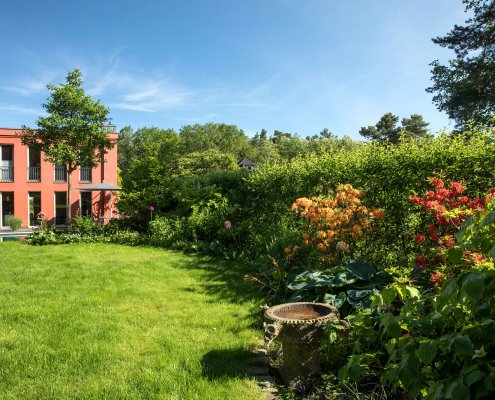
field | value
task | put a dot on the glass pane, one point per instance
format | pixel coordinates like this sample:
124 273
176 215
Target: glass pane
86 199
60 208
34 207
7 205
7 153
34 157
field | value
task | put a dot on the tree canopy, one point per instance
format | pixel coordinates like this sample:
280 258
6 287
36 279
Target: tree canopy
465 88
386 129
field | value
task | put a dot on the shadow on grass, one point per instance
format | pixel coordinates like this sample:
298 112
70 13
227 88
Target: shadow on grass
223 280
221 364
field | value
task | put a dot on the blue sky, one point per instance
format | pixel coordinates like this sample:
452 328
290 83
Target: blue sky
294 65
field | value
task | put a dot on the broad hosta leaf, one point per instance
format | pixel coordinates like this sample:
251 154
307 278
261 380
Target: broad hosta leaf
362 269
427 352
336 300
342 279
358 298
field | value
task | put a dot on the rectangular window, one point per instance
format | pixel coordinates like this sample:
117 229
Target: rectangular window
34 199
60 174
6 205
60 208
85 174
34 166
6 163
86 204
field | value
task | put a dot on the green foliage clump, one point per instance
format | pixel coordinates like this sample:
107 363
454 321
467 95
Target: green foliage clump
13 222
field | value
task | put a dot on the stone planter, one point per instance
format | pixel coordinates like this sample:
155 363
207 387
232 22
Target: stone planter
298 327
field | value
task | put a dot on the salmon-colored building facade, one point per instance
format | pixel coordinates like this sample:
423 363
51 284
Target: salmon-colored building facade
31 188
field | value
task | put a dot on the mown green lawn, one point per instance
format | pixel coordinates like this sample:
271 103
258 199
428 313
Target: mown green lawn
104 321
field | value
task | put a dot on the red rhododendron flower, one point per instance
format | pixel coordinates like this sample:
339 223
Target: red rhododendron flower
449 242
430 229
434 237
419 237
436 278
415 200
421 262
438 183
456 188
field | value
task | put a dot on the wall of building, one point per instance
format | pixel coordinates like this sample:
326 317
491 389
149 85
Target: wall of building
106 172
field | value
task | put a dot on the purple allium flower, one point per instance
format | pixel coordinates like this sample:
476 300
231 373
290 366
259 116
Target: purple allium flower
151 208
227 224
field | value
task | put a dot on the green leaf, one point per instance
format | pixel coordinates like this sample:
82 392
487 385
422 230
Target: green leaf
473 377
359 298
362 269
427 352
454 255
436 391
489 382
388 295
342 279
491 253
391 325
460 391
473 285
462 346
489 219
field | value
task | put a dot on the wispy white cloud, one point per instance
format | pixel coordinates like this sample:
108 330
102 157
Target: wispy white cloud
26 88
20 109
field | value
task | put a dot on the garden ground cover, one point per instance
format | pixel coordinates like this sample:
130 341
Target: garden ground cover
105 321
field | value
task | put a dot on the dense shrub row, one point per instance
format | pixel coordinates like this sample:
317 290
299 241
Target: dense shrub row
258 204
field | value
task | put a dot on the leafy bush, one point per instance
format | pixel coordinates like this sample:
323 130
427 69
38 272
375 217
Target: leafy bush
438 344
166 231
13 222
43 238
85 226
443 346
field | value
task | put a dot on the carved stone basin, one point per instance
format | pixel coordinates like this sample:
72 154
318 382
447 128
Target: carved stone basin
298 327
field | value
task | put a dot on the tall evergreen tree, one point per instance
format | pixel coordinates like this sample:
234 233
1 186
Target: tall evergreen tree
465 88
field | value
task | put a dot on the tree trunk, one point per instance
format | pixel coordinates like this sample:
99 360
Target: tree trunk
69 204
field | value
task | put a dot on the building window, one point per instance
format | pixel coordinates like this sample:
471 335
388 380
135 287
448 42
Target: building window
86 204
34 166
85 174
6 163
60 208
34 199
6 205
60 174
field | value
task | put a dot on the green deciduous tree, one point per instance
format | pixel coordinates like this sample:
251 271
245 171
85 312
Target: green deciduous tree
72 134
465 88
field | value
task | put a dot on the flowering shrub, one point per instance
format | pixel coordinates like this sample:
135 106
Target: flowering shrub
447 208
333 223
